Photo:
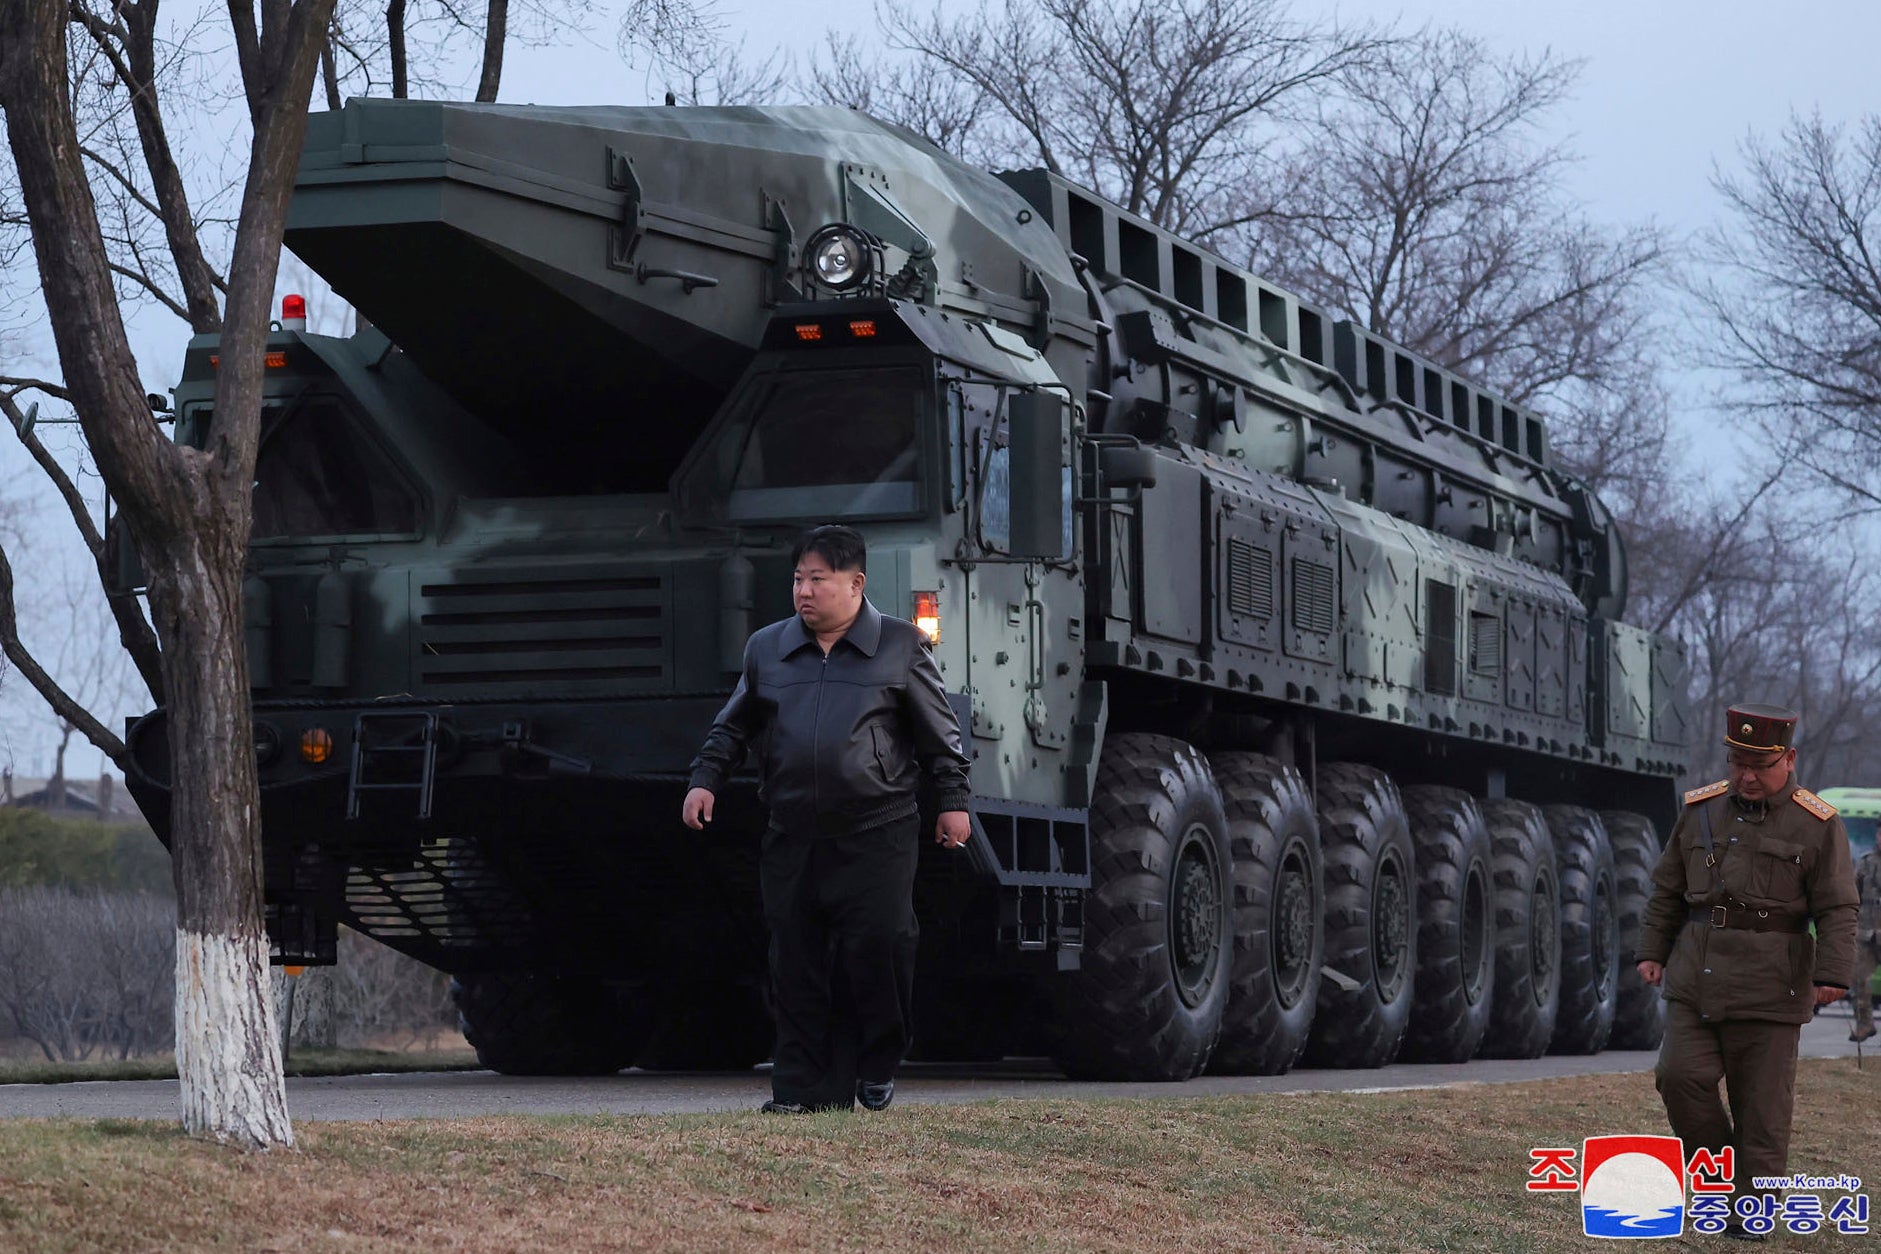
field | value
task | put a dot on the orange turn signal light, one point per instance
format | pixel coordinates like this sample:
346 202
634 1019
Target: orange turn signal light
316 745
276 360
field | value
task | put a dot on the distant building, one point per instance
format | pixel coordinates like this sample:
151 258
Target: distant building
103 800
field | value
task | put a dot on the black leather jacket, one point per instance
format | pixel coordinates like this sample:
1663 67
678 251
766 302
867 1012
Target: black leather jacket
841 739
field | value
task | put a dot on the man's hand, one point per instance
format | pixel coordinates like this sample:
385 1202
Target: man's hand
954 829
697 811
1826 993
1651 972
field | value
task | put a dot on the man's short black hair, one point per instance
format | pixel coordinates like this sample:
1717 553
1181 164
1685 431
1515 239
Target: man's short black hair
842 547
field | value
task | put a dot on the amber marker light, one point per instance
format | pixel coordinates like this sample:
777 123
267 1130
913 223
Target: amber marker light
927 615
316 745
273 361
863 328
809 332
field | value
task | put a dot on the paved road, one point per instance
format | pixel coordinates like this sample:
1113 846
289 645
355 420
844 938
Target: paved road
464 1093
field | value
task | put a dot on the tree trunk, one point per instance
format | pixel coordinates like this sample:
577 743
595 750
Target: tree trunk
55 787
395 38
314 1025
228 1055
329 75
188 512
495 34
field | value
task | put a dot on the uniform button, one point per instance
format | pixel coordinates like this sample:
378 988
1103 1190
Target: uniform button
1707 970
1733 840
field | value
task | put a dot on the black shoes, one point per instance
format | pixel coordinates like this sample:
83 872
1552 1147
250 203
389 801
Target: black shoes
872 1096
1861 1032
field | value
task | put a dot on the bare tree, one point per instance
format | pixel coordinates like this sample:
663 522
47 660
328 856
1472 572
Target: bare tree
688 49
1791 286
186 509
86 972
1420 202
940 108
406 48
1154 103
1748 601
92 668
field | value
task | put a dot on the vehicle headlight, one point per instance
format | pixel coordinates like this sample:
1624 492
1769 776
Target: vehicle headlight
840 256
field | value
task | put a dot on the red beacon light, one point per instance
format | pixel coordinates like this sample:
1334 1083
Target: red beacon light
294 312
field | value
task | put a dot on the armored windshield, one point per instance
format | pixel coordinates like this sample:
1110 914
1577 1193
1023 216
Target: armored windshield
319 474
819 445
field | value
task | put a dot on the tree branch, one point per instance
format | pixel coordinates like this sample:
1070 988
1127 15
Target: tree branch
23 661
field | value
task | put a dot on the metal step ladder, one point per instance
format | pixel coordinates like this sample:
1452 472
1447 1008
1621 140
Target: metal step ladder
384 738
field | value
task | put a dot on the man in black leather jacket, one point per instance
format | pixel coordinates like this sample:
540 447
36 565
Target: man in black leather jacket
846 712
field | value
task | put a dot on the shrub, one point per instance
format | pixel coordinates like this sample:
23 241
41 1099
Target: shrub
87 971
37 849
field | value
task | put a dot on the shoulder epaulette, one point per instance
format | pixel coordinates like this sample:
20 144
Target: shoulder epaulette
1814 804
1706 793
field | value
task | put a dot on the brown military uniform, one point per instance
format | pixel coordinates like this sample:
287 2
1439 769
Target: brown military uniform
1867 942
1730 925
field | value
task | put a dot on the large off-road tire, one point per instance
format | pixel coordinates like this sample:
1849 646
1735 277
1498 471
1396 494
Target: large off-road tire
1639 1015
526 1024
724 1026
1456 926
1590 931
1526 998
1146 1002
1279 937
1370 887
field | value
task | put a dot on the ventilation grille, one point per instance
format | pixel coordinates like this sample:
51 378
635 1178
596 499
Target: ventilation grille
610 629
1250 580
1314 597
1485 644
445 895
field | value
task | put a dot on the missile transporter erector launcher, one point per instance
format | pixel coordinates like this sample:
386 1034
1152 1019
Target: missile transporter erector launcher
1303 721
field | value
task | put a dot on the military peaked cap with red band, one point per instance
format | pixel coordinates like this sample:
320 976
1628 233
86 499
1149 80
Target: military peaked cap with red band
1759 728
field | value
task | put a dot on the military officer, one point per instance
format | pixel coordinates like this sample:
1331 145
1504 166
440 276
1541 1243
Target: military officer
1867 942
1752 861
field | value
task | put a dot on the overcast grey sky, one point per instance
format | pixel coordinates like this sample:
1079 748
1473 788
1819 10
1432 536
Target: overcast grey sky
1670 87
1668 84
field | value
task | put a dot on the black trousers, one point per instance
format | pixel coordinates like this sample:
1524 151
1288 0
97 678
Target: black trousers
843 938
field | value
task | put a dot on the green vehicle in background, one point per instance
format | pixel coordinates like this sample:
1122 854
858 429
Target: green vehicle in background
1860 809
1305 722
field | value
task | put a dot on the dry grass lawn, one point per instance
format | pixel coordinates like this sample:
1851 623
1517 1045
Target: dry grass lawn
1426 1170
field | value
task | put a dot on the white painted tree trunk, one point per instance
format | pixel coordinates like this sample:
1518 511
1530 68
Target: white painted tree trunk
315 1025
228 1054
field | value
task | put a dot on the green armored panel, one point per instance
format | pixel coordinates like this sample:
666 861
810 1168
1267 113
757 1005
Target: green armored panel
584 276
1670 718
1170 560
1518 654
1626 677
1378 583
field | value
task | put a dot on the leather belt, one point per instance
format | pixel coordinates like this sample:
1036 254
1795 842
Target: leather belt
1748 919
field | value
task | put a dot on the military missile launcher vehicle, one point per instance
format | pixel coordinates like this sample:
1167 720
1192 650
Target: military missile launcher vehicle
1303 718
